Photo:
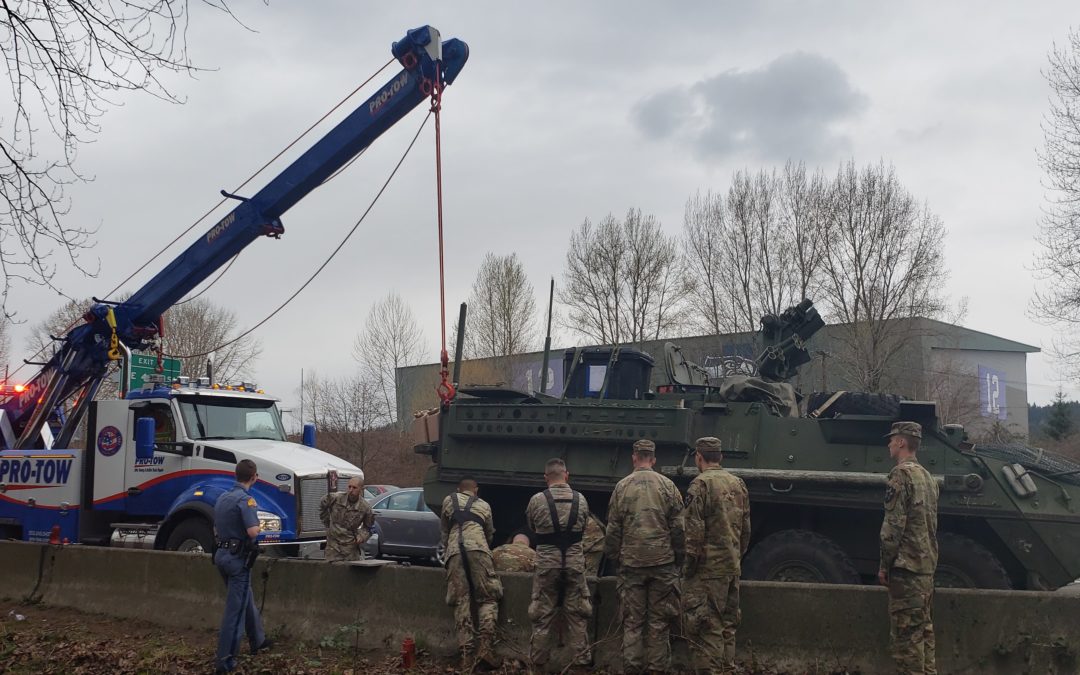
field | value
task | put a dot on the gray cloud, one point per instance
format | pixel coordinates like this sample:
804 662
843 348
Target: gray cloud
789 108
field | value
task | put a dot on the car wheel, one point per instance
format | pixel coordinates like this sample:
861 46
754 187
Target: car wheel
440 555
191 536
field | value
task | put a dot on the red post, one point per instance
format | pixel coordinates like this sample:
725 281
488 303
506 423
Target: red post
408 653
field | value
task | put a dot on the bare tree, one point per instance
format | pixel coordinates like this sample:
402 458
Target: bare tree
883 263
5 342
623 280
1058 302
198 326
502 309
67 62
345 411
390 339
952 384
756 252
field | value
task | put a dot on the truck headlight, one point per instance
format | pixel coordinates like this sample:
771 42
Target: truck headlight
268 522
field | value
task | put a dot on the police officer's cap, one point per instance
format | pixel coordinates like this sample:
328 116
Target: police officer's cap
644 445
907 428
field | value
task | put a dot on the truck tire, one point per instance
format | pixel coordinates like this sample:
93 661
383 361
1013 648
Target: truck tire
193 535
965 563
801 556
854 403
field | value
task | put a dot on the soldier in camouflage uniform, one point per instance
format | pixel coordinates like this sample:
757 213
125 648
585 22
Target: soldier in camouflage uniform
593 545
909 552
645 537
517 556
717 523
557 515
348 519
471 582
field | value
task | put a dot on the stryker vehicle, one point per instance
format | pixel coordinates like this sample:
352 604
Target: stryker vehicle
1008 517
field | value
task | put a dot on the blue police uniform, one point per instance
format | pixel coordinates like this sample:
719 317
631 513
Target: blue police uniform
234 512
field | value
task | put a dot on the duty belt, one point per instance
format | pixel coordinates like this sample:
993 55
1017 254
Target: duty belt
232 545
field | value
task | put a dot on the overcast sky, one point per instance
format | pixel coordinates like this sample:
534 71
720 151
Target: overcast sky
567 111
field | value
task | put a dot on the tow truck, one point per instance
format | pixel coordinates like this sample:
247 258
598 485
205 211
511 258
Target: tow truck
155 460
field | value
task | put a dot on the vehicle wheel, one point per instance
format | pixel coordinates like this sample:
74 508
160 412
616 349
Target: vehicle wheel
799 555
965 563
191 536
854 403
440 555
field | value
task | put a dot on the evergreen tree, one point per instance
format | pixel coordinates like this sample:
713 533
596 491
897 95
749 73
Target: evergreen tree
1059 423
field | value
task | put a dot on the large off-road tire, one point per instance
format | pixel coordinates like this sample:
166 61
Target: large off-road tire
194 535
854 403
965 563
799 555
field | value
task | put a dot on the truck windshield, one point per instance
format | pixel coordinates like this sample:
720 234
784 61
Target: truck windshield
218 417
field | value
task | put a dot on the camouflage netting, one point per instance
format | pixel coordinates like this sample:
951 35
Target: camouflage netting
1033 459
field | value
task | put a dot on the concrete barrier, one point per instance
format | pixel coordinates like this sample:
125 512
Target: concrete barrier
786 627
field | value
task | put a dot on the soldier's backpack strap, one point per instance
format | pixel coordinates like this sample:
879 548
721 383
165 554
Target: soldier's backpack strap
464 514
563 537
461 516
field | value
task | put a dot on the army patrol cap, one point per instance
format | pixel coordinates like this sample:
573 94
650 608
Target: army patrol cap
644 445
906 428
707 443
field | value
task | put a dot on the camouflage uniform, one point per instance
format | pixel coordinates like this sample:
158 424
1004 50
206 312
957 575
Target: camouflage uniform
593 545
645 536
909 555
514 558
717 522
470 573
559 583
345 524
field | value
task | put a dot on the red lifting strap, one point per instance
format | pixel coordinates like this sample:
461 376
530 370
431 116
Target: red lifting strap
445 389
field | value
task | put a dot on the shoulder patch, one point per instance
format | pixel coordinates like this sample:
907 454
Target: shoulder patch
251 502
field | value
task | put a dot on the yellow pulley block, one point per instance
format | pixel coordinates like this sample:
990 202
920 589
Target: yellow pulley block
114 342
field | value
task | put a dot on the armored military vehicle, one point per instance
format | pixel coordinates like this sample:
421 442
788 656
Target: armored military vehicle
1008 516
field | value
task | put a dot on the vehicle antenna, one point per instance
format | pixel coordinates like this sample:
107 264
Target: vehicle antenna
547 340
460 344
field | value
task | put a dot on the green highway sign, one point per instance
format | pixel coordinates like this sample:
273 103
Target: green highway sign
146 364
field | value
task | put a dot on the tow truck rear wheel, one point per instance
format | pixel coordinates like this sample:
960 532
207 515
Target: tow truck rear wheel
193 535
800 556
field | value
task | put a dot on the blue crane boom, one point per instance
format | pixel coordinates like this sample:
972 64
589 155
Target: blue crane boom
80 363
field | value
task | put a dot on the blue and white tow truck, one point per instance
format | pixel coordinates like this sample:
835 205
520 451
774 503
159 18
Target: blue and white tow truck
154 461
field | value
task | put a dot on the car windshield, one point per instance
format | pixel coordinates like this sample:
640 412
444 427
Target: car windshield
219 417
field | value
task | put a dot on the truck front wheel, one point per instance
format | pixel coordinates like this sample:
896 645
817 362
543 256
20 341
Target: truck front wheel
194 535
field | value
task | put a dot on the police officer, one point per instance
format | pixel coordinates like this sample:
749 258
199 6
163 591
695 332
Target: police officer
471 582
717 523
558 515
236 526
645 537
909 552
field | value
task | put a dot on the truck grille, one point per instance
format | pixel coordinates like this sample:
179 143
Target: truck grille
311 491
